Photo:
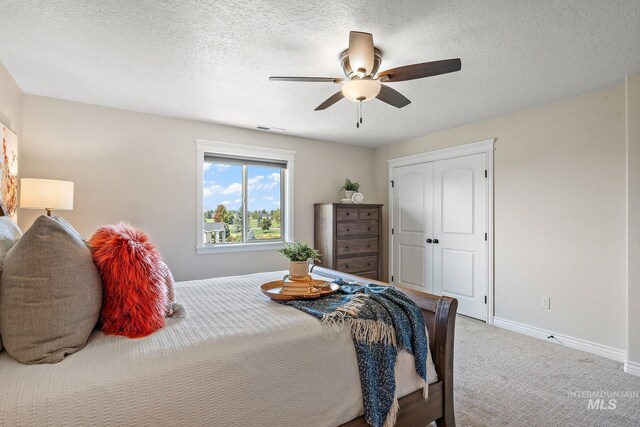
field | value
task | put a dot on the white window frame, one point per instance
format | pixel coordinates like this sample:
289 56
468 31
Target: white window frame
218 148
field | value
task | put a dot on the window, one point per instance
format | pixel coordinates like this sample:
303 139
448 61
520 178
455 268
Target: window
244 197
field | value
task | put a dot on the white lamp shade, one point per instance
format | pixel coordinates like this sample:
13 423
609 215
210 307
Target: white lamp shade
361 90
46 194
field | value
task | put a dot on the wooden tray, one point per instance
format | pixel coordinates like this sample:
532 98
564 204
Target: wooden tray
272 290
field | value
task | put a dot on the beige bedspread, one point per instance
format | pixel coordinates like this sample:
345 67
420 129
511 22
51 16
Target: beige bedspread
237 359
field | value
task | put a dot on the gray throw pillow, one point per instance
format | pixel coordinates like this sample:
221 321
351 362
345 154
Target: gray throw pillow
9 235
50 294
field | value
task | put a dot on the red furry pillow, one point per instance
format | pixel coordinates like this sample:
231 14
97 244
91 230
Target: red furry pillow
135 293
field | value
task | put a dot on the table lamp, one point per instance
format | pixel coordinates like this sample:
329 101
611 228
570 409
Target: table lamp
46 194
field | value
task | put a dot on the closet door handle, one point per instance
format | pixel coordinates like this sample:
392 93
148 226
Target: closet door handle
429 241
436 241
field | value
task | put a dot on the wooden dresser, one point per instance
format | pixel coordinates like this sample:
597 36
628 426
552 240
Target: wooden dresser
349 237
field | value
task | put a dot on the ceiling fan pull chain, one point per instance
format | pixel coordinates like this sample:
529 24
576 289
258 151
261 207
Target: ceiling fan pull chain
360 112
357 115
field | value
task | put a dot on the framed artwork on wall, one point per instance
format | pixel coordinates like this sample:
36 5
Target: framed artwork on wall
9 173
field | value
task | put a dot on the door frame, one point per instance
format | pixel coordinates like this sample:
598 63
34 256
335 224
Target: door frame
485 146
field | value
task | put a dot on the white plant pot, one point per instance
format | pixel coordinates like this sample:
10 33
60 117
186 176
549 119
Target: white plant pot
298 269
348 194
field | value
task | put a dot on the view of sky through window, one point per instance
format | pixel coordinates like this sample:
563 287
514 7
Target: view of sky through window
223 185
222 200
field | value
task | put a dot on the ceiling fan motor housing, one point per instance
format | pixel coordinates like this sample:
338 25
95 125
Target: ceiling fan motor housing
349 72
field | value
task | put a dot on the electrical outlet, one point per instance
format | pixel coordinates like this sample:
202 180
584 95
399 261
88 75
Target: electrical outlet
546 303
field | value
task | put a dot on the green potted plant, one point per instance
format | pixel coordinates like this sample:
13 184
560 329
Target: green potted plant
299 255
349 188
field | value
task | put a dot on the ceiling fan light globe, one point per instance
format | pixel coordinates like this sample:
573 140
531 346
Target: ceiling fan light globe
361 90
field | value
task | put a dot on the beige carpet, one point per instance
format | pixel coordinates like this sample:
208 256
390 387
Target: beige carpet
506 379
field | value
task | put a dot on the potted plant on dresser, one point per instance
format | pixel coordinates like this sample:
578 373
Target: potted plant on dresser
349 188
299 255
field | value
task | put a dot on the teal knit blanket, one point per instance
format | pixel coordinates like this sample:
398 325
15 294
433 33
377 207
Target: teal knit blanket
382 321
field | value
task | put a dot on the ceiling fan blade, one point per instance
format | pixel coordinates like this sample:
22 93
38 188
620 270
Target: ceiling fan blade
419 71
392 97
361 53
330 101
307 79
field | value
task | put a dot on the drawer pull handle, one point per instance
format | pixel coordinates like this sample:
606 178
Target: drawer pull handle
347 213
347 247
347 229
368 228
368 263
346 266
369 213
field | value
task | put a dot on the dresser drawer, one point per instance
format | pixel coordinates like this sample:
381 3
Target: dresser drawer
357 229
353 265
368 214
346 214
356 246
370 274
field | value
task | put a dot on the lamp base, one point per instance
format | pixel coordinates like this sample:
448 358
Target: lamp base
48 211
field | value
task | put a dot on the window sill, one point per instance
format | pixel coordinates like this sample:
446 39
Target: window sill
239 247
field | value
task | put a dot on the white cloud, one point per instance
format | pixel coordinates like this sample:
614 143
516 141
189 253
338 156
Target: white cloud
270 185
215 189
219 167
226 202
256 179
237 200
256 183
277 202
267 198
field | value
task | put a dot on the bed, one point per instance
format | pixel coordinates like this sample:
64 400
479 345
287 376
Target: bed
236 359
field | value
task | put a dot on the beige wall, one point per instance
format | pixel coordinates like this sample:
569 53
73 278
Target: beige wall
559 211
142 169
559 194
10 104
633 217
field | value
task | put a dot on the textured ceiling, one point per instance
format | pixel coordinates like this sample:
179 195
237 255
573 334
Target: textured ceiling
210 60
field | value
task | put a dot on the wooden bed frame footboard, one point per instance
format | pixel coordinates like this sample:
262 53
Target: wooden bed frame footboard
439 314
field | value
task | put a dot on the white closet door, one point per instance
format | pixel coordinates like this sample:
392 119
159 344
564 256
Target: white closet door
460 224
412 225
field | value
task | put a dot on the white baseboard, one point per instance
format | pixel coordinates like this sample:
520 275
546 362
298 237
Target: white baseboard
632 368
571 342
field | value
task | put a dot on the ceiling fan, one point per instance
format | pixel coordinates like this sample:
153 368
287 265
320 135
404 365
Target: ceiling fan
360 63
